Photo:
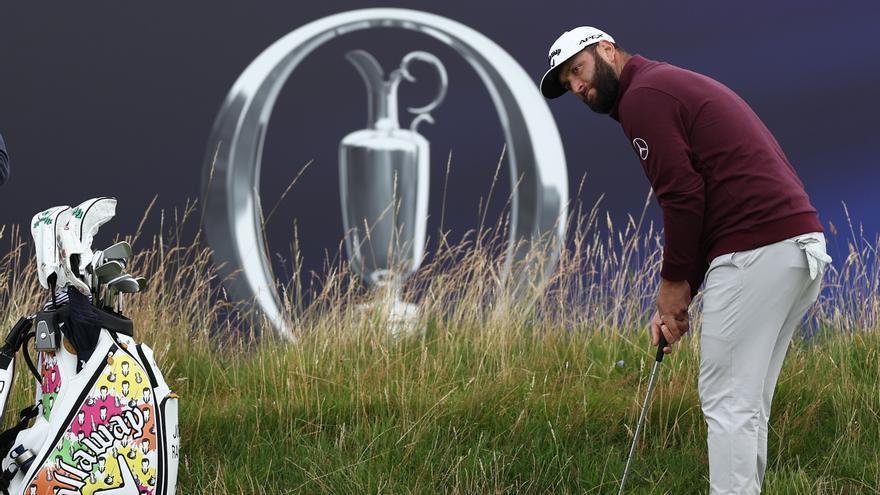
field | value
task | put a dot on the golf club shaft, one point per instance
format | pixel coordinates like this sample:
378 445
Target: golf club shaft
651 382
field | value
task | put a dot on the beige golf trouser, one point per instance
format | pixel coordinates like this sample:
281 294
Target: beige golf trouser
752 303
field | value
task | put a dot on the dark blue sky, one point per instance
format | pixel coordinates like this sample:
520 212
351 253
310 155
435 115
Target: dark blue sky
103 98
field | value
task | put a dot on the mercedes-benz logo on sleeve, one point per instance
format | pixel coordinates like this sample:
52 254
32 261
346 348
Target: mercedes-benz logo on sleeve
641 147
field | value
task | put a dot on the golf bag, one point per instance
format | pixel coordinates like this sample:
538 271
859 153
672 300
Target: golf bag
104 419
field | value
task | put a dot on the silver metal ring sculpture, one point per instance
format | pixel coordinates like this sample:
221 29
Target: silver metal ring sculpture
230 182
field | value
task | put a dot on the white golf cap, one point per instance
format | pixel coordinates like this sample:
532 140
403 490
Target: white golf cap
565 47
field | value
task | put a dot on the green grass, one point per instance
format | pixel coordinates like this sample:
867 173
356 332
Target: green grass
452 412
497 395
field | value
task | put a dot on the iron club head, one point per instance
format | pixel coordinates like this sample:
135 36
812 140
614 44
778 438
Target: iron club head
108 271
121 251
124 283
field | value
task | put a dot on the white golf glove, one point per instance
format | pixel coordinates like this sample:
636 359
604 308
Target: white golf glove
813 246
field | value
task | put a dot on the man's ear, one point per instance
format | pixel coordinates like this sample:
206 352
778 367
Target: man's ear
607 51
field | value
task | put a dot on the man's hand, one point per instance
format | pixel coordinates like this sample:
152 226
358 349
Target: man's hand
656 329
673 300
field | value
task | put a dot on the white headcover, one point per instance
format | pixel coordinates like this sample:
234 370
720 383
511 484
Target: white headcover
76 237
45 227
94 213
69 245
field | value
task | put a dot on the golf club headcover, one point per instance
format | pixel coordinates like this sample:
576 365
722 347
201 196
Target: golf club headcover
70 251
45 229
85 220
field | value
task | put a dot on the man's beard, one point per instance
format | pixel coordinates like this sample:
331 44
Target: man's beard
606 84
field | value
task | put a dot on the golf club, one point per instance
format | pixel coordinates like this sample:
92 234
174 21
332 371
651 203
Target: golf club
108 271
120 251
123 284
97 260
105 273
651 382
142 284
117 253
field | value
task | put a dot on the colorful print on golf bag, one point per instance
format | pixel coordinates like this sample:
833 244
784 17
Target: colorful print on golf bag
118 436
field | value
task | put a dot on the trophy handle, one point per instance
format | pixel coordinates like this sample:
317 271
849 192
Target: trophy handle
379 106
423 117
423 112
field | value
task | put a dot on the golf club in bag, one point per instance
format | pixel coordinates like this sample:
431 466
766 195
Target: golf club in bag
104 420
651 382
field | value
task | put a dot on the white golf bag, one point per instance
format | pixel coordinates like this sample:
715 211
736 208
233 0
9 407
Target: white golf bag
104 419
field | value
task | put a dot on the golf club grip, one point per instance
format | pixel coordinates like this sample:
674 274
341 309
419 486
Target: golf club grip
660 347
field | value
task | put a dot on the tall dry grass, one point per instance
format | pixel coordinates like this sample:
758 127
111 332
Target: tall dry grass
533 393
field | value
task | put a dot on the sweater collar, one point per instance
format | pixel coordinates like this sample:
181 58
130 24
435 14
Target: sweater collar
632 67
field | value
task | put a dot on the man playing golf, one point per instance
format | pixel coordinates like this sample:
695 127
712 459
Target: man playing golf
4 162
734 214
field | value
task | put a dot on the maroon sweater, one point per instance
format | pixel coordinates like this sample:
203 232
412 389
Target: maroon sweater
722 180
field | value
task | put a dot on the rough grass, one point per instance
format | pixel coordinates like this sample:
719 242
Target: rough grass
448 413
498 395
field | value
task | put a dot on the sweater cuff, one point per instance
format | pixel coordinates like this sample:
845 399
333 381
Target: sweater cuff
676 273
